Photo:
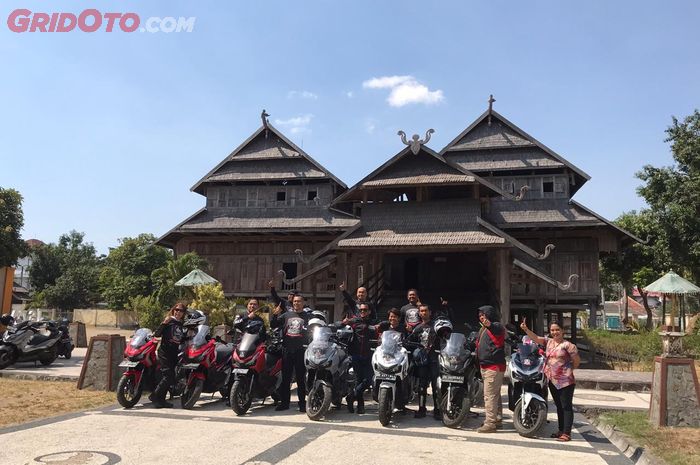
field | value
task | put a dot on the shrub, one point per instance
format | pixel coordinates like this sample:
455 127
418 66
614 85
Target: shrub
210 299
149 313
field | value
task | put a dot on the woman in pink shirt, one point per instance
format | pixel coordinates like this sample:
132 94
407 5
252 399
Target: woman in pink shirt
562 360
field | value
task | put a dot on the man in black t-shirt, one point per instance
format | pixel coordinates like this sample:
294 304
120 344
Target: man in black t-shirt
409 312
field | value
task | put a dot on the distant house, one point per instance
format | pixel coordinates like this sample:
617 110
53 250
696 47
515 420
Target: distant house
489 219
614 310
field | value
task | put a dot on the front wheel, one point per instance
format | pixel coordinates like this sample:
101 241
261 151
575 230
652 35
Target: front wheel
191 394
385 406
128 394
453 415
319 402
535 418
240 396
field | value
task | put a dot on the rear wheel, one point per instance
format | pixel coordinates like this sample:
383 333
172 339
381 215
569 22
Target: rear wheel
240 397
453 415
68 354
191 394
7 357
318 402
535 418
128 394
48 360
385 407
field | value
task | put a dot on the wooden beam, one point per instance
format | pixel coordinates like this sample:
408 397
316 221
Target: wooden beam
514 241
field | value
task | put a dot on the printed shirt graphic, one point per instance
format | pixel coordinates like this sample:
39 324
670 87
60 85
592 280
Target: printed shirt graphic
295 327
412 317
559 367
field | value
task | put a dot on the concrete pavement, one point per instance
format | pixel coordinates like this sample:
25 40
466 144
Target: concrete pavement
212 433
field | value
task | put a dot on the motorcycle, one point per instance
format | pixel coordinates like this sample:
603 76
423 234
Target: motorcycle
527 390
28 342
459 381
141 363
394 383
205 364
257 369
329 374
64 347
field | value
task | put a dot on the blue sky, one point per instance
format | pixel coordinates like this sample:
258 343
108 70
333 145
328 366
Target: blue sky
105 133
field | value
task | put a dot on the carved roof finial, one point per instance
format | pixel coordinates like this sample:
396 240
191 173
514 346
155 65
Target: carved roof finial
265 121
491 100
415 143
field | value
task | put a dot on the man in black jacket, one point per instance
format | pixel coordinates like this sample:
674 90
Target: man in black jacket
293 323
274 296
171 334
361 354
490 351
424 334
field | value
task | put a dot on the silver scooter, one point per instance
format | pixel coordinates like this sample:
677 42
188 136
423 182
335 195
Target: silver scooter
528 388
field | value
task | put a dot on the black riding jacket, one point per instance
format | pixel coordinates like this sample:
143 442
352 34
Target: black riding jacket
293 326
171 334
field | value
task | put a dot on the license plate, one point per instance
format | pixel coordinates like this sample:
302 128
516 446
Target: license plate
190 366
452 379
241 371
385 377
128 364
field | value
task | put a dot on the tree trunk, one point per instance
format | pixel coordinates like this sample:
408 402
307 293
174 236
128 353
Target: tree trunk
645 300
626 315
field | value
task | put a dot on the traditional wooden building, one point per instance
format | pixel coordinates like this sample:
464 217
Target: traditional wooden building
488 219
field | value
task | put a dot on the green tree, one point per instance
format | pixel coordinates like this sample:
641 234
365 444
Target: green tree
164 278
12 246
65 275
148 311
210 299
638 264
673 194
128 269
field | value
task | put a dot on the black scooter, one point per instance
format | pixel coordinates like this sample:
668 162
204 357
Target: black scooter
29 342
64 346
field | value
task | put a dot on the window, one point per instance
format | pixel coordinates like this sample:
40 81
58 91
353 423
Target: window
547 186
360 275
509 186
222 198
281 196
311 195
251 198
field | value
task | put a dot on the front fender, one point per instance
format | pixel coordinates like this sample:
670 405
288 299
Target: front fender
527 398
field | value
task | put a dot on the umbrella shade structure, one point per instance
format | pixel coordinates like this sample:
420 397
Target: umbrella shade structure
671 283
196 277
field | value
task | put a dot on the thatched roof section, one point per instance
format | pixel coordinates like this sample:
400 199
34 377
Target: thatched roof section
441 224
540 213
500 159
267 155
261 220
504 136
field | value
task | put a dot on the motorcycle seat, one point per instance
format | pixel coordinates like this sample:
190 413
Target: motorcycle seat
223 352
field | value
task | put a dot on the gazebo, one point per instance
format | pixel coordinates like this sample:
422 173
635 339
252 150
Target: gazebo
673 285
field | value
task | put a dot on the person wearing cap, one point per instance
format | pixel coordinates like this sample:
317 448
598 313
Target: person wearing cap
490 350
171 333
277 299
352 306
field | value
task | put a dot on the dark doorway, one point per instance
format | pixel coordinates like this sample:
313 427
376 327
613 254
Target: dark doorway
411 275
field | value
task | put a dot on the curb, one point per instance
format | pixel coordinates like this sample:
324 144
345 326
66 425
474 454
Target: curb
636 453
39 377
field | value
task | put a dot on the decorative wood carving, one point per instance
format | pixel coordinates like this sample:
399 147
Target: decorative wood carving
565 287
547 250
416 143
523 190
300 256
286 281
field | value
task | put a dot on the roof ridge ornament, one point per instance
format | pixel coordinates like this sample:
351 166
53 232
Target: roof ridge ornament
491 100
264 115
415 143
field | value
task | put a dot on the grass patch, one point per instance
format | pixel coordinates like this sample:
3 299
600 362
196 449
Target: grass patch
676 446
26 400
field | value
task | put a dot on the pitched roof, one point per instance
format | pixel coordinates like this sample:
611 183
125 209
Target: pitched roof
266 155
446 223
540 213
425 168
501 159
502 134
260 220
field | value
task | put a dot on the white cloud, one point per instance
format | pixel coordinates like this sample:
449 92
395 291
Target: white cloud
370 125
296 125
349 94
405 90
303 94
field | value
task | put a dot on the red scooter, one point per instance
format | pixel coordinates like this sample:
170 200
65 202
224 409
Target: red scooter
257 368
206 363
141 365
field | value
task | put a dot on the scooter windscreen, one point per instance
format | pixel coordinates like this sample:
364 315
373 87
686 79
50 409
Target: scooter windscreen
453 351
389 350
527 355
247 344
140 337
200 338
320 348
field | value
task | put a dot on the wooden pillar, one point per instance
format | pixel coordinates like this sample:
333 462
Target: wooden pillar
504 271
574 318
593 314
538 325
341 272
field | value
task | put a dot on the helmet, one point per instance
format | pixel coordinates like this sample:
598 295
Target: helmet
443 327
195 318
318 314
314 322
345 333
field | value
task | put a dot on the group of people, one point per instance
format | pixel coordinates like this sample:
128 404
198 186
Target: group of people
419 326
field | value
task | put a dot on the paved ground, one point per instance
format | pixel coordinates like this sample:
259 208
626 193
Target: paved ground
212 433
